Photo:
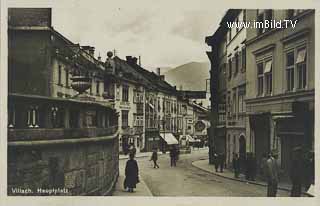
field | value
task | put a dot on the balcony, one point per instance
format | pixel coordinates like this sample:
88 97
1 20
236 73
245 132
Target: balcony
58 133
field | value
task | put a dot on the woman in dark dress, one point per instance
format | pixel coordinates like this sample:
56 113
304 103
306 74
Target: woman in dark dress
132 174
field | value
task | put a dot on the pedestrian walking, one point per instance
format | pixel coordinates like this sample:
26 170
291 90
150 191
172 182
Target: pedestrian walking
154 158
236 165
216 161
221 161
131 173
309 167
272 173
173 157
296 172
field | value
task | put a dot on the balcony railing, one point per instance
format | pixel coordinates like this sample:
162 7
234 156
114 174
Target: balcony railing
59 133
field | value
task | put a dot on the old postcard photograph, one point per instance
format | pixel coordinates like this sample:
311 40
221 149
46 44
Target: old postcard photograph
142 99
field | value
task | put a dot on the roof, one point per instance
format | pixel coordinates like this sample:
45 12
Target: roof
230 15
154 79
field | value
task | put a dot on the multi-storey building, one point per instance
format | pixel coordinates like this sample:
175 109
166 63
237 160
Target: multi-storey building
230 65
263 79
280 84
59 135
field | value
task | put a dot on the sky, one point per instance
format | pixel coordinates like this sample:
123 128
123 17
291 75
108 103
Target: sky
164 33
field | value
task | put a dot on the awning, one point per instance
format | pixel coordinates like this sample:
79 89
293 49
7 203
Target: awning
276 117
169 138
301 56
268 67
151 105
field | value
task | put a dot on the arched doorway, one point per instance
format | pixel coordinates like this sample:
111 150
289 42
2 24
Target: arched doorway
242 151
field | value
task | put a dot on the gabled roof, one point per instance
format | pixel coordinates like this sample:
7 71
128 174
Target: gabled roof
130 73
154 79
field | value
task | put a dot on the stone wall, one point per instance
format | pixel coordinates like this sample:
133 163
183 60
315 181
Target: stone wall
71 169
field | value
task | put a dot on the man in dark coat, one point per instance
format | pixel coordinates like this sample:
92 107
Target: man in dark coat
216 161
296 172
236 165
132 174
154 158
173 155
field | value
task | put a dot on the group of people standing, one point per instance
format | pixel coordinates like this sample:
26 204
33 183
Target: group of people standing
301 171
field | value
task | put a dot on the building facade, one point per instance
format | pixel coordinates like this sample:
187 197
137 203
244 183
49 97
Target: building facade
262 82
59 135
280 97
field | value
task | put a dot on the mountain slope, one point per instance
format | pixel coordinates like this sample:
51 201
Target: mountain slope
192 76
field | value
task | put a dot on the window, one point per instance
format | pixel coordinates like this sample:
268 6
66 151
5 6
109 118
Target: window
124 118
230 35
125 93
237 63
230 68
268 76
159 106
59 75
118 92
91 87
301 68
98 88
262 16
243 53
33 117
237 28
138 121
260 78
290 70
244 15
240 104
229 104
67 78
234 103
140 108
57 117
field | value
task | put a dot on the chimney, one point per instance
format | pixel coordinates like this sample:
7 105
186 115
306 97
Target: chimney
140 61
99 58
131 59
181 88
162 77
158 71
134 60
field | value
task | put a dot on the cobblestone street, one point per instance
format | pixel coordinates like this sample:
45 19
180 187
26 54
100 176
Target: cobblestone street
187 180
